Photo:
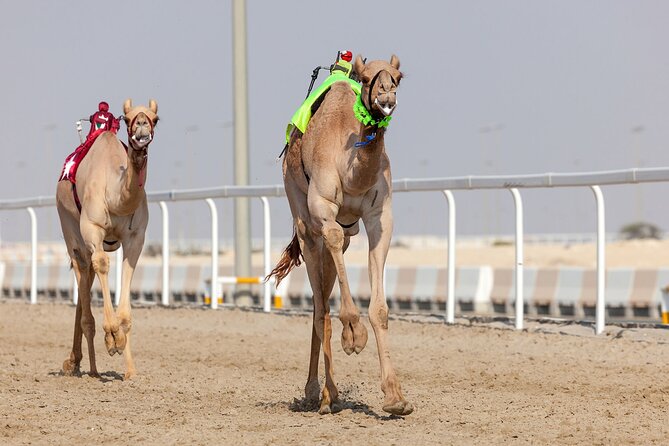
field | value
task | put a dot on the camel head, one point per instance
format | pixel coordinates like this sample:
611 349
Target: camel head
380 80
140 121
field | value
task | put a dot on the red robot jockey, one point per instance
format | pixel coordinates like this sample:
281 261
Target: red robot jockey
102 120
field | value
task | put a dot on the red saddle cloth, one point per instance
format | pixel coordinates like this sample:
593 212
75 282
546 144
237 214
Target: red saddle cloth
73 160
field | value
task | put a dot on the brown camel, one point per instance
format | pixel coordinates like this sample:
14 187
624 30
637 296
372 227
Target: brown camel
110 189
331 184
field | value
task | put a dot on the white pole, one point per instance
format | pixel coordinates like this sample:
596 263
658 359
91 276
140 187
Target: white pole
166 253
601 261
75 289
519 258
214 253
33 255
450 299
266 253
119 272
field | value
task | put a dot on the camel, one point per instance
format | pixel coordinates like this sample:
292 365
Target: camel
336 174
113 212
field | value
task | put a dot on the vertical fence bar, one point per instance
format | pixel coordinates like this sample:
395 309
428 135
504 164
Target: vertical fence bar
520 303
119 269
33 255
450 298
75 289
266 253
600 311
214 253
165 300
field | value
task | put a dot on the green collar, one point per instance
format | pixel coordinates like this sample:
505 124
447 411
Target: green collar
363 115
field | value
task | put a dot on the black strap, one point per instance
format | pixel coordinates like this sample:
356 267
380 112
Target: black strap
347 226
76 197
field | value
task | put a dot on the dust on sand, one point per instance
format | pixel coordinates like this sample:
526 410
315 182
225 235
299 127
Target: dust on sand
237 377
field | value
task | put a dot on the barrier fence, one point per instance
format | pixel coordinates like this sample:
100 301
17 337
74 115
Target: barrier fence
513 183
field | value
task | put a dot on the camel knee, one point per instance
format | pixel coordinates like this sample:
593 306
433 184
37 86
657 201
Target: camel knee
334 238
100 262
88 324
378 316
79 260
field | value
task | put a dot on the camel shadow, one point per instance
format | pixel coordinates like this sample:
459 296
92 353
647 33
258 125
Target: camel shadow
103 377
305 405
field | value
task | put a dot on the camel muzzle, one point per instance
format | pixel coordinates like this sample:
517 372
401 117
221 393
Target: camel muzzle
143 140
386 108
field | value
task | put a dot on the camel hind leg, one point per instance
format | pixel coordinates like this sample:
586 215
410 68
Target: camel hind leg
320 279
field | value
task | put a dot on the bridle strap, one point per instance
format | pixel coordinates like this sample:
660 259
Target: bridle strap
132 122
371 88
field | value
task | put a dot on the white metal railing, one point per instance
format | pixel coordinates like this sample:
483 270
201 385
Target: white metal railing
592 180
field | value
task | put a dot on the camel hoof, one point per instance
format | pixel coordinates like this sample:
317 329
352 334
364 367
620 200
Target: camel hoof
399 408
347 339
331 408
129 374
115 342
70 368
354 337
360 337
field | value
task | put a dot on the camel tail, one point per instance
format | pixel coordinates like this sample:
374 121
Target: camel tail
291 257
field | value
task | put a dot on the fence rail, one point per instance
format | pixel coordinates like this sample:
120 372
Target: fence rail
593 180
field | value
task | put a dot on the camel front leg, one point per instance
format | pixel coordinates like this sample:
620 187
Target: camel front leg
379 226
323 216
131 251
93 235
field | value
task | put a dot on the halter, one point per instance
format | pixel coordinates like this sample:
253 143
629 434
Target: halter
142 151
371 87
132 122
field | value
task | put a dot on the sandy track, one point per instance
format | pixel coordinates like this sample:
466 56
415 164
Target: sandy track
236 377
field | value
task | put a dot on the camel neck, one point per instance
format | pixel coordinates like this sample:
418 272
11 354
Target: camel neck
136 178
368 157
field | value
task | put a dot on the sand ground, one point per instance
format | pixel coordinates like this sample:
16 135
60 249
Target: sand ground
237 377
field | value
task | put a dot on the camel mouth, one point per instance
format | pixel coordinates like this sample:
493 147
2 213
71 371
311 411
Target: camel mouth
386 109
142 140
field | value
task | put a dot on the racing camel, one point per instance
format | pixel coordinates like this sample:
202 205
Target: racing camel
336 174
104 210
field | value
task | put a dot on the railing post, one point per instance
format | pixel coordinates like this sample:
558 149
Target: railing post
119 272
520 309
33 255
165 300
600 310
266 254
450 298
75 289
214 253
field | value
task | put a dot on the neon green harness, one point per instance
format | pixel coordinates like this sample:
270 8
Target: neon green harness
303 114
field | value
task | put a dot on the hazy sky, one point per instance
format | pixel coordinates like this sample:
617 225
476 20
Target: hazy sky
490 87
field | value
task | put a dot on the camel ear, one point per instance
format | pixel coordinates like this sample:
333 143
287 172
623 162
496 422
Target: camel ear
395 62
127 106
153 105
358 65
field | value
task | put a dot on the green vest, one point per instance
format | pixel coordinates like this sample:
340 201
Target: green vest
303 114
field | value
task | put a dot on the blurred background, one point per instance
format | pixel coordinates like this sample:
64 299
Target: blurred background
490 88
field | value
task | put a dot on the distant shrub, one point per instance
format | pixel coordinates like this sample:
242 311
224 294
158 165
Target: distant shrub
640 230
